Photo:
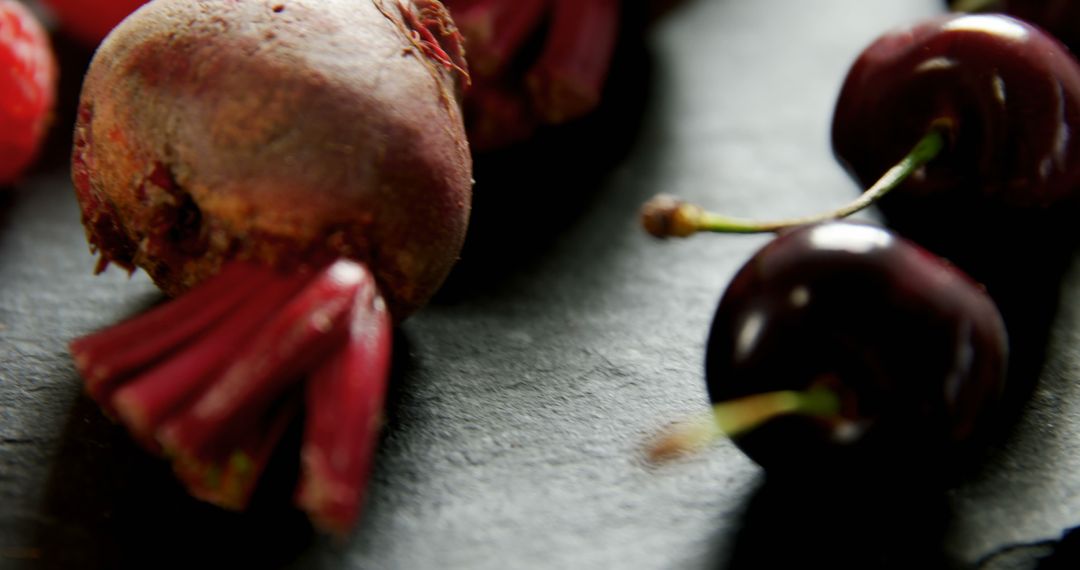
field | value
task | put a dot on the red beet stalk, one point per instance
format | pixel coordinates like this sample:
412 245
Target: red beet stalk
496 30
229 480
208 380
568 79
300 336
146 401
344 412
111 357
514 91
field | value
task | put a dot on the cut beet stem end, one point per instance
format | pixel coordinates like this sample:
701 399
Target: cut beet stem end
212 380
665 216
735 417
344 412
230 480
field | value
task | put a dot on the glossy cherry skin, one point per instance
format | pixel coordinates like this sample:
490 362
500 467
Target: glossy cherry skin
1008 94
1001 200
914 348
1059 17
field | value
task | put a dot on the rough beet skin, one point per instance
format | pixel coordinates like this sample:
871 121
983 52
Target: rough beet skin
288 132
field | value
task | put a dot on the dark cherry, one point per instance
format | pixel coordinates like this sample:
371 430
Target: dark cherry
1006 94
999 200
912 349
1060 17
964 129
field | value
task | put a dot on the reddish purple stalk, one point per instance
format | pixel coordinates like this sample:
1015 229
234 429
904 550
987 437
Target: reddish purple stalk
567 80
229 479
344 411
106 359
497 30
206 379
563 83
144 402
306 331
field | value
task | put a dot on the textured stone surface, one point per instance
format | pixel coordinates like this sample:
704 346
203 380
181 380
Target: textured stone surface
566 337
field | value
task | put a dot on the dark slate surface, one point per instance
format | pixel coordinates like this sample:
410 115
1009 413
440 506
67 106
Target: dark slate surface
523 394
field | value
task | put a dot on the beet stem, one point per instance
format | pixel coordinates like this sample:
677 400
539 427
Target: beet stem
229 481
308 329
206 378
567 81
344 409
146 401
495 30
108 357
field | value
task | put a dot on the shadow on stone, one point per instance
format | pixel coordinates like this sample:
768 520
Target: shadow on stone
527 194
840 524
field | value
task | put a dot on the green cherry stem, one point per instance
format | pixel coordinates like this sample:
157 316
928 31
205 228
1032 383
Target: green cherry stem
665 216
739 416
975 5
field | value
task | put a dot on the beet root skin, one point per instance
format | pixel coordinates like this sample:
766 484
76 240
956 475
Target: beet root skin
289 133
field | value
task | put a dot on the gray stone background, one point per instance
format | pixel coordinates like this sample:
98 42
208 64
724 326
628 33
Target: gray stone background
566 337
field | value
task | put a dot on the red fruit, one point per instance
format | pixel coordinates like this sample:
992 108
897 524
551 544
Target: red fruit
91 20
27 88
914 351
1006 96
1059 17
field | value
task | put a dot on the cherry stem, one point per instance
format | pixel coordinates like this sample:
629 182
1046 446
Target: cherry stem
735 417
974 5
665 216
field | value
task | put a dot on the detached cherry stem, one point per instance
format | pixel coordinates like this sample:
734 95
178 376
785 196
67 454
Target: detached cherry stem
735 417
666 216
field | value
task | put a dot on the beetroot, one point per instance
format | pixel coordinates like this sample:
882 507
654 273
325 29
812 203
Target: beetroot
210 131
310 155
